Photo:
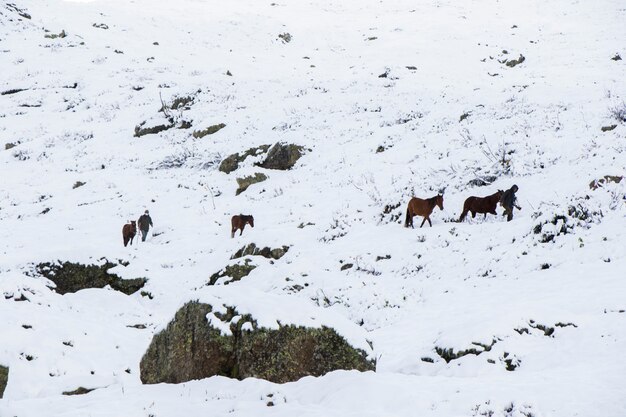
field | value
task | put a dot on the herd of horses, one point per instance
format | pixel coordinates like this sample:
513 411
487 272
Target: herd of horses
416 207
473 204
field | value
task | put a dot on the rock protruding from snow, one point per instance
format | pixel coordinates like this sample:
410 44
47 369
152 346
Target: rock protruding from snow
72 277
267 252
4 378
282 156
192 347
232 162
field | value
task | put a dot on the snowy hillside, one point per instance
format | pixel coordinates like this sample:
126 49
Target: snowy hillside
109 108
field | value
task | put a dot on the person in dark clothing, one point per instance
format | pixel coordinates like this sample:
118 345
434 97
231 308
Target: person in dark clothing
144 223
508 201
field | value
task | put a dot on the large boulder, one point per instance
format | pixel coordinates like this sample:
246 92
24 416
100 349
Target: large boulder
203 341
189 348
282 156
4 378
71 277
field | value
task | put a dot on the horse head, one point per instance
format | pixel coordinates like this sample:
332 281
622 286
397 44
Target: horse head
250 220
439 200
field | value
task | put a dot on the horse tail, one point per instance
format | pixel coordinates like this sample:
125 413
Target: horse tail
464 213
407 220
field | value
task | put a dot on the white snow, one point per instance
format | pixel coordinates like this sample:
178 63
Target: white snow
452 286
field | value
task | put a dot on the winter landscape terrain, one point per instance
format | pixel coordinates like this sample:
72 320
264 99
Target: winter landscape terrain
112 107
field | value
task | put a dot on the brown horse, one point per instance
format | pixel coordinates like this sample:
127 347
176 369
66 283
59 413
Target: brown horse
129 231
420 207
239 222
481 205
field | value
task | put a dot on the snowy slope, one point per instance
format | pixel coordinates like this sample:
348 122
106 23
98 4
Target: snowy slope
371 141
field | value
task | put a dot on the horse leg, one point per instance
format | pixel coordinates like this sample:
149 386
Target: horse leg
242 226
423 221
232 232
429 222
473 214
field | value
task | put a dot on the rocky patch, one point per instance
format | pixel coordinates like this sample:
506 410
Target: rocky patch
235 272
72 277
246 182
282 156
231 163
266 252
4 379
192 347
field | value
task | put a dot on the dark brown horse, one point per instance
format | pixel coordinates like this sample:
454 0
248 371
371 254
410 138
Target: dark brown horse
481 205
129 231
420 207
239 222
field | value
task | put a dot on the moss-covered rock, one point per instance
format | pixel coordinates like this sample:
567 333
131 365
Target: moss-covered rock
4 378
191 347
78 391
282 156
514 62
292 352
266 252
608 128
245 182
71 277
235 272
232 162
208 131
148 129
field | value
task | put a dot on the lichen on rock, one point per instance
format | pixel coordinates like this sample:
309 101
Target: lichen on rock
235 272
71 277
246 182
4 379
282 156
231 163
194 347
266 252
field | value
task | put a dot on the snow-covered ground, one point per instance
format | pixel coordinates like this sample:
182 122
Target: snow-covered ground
375 92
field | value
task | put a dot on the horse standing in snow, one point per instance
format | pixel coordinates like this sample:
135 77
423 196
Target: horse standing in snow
239 222
481 205
421 207
129 231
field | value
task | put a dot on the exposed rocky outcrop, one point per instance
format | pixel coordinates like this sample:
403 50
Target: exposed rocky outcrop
595 184
235 272
282 156
78 391
145 128
4 378
232 162
266 252
245 182
208 131
71 277
191 347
